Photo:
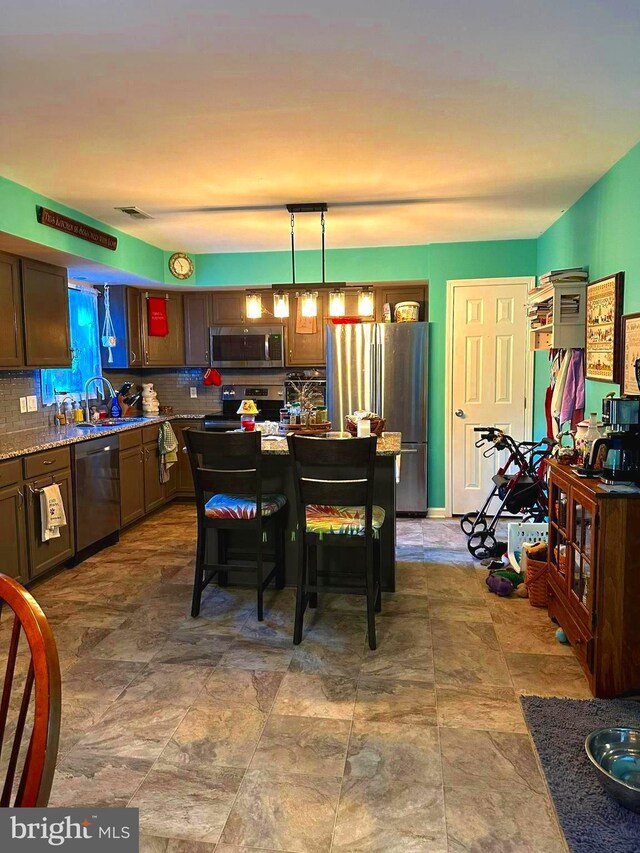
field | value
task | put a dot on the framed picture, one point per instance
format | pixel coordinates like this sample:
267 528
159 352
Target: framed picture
604 315
630 354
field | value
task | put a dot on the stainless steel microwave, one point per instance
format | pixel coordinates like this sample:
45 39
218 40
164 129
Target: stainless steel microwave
247 346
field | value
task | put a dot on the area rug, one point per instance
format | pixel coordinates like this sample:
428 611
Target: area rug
591 821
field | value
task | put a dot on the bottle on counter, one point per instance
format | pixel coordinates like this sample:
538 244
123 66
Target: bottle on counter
78 414
115 408
60 416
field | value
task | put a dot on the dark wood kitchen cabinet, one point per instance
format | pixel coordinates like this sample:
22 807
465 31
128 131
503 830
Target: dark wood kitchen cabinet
394 292
228 308
197 319
46 555
154 490
45 309
183 473
306 350
11 334
125 312
131 477
13 527
168 350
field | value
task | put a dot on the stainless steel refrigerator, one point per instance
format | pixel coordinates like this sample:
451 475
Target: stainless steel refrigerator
382 367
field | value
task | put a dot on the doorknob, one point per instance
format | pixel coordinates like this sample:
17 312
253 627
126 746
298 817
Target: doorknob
459 413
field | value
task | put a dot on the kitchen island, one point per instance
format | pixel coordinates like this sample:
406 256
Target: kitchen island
278 477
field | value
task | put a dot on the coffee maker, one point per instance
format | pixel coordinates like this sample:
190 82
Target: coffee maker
615 458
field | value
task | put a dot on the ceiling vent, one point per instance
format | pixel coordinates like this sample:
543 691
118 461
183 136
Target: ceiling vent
134 212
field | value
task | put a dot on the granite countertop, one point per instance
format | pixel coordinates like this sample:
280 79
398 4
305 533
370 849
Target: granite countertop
388 445
27 441
45 438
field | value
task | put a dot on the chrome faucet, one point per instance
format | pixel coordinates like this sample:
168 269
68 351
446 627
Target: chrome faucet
86 393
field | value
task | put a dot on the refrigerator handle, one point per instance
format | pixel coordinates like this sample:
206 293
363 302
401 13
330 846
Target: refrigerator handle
376 397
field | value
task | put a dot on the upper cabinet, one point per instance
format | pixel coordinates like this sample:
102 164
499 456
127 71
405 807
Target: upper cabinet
135 346
45 308
228 308
394 292
197 319
166 350
34 314
11 336
305 338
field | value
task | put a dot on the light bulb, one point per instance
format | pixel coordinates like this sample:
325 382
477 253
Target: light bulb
309 306
337 303
281 305
253 306
365 303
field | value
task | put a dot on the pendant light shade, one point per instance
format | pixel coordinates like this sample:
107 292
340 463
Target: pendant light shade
309 304
365 303
337 303
253 306
281 304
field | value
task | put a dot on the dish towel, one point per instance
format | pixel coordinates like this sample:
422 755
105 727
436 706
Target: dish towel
52 513
168 447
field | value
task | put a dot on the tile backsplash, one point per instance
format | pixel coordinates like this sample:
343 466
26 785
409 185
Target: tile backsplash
172 385
21 383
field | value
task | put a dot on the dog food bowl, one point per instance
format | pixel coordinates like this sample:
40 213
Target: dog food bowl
615 755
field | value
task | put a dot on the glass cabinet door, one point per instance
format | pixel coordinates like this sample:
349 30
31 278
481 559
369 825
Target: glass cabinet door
559 550
582 546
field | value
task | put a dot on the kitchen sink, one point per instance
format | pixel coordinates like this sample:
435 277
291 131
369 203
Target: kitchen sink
107 423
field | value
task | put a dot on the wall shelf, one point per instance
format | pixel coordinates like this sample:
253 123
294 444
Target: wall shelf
556 316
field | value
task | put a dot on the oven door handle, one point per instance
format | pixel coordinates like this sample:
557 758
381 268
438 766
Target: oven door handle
266 347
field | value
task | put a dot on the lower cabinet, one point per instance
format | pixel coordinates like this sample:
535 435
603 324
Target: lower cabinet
131 484
13 534
46 555
154 490
183 473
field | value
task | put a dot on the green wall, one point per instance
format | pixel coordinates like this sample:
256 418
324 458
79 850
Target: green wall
18 218
601 231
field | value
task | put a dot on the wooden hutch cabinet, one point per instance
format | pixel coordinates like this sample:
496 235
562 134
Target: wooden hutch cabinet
594 578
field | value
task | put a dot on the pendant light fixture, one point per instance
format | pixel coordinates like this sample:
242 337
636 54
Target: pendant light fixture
365 303
337 303
309 298
309 304
281 304
253 306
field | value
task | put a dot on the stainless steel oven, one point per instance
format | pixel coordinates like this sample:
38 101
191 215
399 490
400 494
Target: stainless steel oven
247 346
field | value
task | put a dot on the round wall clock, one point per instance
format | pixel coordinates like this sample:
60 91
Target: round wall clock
181 265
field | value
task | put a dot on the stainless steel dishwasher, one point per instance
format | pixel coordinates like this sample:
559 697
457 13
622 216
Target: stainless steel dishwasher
96 491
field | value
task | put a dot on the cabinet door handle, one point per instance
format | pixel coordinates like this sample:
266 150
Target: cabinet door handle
146 357
21 496
132 357
47 461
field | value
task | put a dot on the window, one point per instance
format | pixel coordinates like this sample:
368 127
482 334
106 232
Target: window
85 348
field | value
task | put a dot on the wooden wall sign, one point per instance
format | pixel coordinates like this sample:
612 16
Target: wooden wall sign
77 229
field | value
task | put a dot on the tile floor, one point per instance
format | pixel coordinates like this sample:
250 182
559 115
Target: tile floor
228 738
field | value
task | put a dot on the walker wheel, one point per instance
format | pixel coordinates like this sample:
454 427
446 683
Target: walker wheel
471 522
481 545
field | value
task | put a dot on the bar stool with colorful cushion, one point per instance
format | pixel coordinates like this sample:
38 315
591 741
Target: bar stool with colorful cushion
227 476
333 480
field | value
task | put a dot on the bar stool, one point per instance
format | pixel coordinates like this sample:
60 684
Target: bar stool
333 481
226 470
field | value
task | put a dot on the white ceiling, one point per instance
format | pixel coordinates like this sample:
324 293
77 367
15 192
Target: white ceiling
499 112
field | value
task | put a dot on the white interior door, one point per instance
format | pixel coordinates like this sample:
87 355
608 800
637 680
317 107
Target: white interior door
489 381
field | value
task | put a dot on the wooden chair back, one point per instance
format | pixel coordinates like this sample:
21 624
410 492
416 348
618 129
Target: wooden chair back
334 472
32 737
227 462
